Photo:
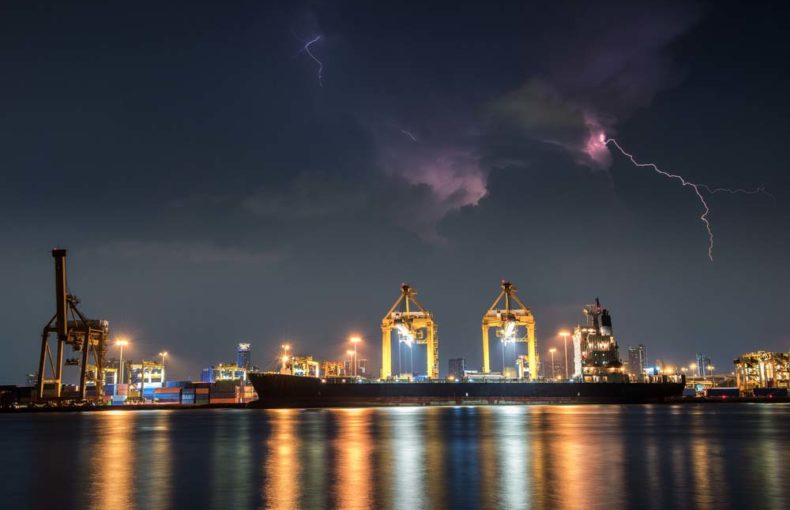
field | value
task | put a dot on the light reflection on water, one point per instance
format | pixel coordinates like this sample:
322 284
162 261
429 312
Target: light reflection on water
567 457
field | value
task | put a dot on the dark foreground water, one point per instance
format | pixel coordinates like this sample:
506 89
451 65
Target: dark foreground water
692 456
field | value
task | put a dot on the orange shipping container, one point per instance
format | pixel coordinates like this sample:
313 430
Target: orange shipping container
223 400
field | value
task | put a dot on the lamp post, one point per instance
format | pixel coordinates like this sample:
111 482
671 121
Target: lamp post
552 351
120 343
565 334
504 346
355 340
163 354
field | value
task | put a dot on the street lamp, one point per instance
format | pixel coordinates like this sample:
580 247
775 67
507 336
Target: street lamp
163 354
355 340
121 343
565 334
552 351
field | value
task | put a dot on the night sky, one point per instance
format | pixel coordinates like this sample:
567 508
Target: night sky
211 190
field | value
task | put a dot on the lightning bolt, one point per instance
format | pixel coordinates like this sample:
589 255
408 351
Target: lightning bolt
698 188
306 48
409 134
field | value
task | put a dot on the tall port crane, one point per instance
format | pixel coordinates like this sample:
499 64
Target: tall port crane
72 328
506 319
414 325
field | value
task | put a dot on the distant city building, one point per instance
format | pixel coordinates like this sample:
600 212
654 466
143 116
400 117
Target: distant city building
762 369
362 367
637 360
703 364
243 356
456 368
150 374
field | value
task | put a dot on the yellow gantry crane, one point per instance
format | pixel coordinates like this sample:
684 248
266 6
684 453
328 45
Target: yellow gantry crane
506 319
414 324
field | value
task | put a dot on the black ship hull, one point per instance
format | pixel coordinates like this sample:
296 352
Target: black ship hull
279 391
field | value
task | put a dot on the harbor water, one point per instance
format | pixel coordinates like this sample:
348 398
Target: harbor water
564 457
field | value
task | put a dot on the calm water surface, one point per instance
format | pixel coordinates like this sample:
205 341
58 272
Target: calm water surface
692 456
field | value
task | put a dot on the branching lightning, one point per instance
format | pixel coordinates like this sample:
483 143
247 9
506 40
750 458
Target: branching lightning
698 188
306 48
409 134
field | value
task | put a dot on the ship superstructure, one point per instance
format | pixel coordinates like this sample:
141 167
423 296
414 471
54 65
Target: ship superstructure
597 357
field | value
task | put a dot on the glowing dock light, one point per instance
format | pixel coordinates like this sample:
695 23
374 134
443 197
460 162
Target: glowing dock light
405 335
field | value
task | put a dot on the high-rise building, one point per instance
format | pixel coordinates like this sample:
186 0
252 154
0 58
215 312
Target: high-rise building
456 368
243 356
703 362
637 360
362 367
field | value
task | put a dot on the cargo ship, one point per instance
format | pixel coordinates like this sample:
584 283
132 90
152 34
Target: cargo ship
598 374
284 390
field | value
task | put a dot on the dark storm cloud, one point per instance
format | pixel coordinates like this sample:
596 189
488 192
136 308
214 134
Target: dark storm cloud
597 73
212 191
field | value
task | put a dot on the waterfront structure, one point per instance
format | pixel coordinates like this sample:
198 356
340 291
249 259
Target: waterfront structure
86 338
243 359
110 376
506 320
150 374
223 372
456 368
597 358
414 325
522 366
762 369
305 366
637 360
333 368
598 361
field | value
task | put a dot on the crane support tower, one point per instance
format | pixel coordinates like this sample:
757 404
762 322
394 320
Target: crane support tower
71 327
506 319
414 324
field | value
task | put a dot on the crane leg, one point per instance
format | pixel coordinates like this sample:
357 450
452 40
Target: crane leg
433 366
386 353
532 351
486 365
